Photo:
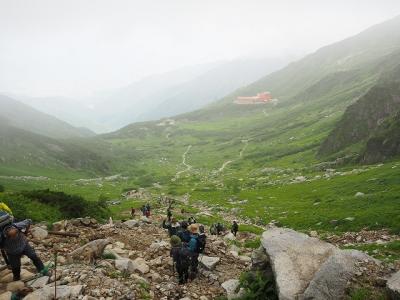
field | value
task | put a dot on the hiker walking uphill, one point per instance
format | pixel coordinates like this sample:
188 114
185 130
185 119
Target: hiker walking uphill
181 259
169 214
184 233
173 227
147 214
16 245
235 228
193 246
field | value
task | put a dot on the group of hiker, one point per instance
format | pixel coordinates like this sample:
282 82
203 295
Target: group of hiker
188 241
145 209
14 243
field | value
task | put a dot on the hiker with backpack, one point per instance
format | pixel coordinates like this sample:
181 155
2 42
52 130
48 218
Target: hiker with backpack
143 210
180 258
220 228
191 220
173 227
184 233
202 239
15 244
169 214
235 227
148 210
194 247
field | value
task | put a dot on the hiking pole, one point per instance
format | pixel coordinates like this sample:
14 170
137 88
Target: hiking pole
55 275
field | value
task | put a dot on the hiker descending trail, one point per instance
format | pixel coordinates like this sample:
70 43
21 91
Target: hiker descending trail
127 260
188 167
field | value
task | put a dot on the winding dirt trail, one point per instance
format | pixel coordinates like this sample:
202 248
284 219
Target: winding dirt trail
188 167
226 163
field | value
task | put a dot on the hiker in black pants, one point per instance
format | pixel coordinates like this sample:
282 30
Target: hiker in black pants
235 228
16 245
181 259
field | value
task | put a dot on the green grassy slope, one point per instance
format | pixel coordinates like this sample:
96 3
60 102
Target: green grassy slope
265 154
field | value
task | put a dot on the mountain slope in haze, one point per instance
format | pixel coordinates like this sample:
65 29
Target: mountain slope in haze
211 86
371 114
17 114
25 152
313 94
157 96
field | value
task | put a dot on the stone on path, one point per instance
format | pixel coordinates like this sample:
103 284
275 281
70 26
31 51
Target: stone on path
39 233
63 292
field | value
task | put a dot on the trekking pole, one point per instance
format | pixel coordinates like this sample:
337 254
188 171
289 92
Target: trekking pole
55 275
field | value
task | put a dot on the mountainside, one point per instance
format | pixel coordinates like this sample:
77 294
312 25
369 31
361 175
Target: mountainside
24 152
19 115
362 118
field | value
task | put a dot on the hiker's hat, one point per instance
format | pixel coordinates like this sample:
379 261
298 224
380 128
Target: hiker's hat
194 228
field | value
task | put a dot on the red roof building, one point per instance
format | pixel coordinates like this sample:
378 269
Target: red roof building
260 98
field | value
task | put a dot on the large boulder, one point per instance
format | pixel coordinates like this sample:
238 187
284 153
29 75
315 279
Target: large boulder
208 261
393 286
295 258
305 267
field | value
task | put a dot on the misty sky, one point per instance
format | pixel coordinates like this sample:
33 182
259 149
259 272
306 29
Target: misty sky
75 47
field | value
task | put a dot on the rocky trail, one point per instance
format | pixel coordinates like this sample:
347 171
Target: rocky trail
130 260
135 263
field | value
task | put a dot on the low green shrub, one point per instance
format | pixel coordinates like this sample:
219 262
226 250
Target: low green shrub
46 205
257 286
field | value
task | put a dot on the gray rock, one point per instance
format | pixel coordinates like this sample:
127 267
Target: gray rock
295 258
359 195
208 261
5 296
63 292
393 286
229 237
39 282
331 279
39 233
15 286
125 265
231 287
90 251
141 265
131 223
144 219
259 260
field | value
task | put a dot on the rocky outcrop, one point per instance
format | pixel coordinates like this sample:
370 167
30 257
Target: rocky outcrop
91 251
363 118
307 268
393 286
